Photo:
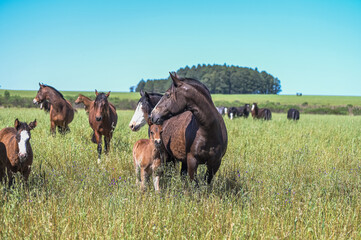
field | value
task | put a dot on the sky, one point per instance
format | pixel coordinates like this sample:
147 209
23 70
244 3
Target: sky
313 47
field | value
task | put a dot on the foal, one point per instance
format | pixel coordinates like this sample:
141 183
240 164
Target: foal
16 154
147 154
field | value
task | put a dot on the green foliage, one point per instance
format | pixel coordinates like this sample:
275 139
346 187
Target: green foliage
221 79
278 180
7 94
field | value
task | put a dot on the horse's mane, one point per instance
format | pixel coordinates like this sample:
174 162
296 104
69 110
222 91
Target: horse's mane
61 95
199 86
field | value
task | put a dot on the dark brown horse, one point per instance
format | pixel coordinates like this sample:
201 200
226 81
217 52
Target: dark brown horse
16 154
103 120
293 114
261 113
61 110
205 139
86 101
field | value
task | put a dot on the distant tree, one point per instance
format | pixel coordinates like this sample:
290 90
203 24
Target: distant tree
7 94
131 89
140 85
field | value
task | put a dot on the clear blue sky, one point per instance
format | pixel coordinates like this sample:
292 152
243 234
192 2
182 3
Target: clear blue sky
313 47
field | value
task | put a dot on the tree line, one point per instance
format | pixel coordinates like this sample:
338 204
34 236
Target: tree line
221 79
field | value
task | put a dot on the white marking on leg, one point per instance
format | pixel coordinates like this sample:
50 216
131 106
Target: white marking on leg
231 115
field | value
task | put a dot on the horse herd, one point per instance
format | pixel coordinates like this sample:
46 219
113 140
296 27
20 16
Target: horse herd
184 126
257 113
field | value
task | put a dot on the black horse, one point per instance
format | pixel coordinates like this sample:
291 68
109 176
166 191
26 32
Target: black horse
238 111
293 114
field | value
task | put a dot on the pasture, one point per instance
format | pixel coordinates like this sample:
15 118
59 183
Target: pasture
278 179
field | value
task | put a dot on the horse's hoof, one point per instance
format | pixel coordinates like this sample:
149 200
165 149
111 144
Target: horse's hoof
99 161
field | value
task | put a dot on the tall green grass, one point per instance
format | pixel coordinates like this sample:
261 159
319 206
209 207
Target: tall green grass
278 179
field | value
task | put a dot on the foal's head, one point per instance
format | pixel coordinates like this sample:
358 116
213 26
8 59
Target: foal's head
80 99
101 105
155 132
23 136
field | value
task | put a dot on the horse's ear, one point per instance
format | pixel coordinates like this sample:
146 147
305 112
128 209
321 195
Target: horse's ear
146 95
17 124
41 85
96 92
141 92
33 124
107 95
175 78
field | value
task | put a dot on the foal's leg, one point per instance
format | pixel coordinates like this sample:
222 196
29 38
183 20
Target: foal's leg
156 173
143 177
106 144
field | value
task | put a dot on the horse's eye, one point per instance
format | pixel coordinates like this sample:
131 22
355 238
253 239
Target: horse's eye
167 95
152 133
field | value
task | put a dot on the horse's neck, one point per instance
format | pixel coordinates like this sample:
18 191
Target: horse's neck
204 112
56 100
87 102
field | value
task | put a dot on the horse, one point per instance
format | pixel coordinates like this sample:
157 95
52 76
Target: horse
86 101
222 110
103 120
61 110
261 113
147 155
145 105
293 114
206 137
238 111
16 154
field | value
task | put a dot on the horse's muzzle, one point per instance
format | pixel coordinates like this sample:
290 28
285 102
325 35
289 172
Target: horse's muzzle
156 119
35 101
23 156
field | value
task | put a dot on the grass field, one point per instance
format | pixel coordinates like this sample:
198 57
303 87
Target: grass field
243 98
278 180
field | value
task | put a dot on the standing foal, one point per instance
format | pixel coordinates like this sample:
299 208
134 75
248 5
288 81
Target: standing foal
147 155
16 154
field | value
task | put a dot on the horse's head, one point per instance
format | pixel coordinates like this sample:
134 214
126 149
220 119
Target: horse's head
155 132
23 137
79 99
254 106
101 105
142 112
41 95
173 102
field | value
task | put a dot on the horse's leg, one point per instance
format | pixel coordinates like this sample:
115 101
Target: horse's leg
106 144
10 177
143 177
52 128
211 170
192 168
98 139
184 168
26 172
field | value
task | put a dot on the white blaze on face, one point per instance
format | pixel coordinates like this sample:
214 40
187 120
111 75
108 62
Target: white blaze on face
252 107
138 119
24 137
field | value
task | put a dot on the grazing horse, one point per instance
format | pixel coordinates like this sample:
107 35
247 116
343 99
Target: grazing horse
147 157
293 114
206 137
261 113
86 101
145 105
103 120
238 111
61 110
16 154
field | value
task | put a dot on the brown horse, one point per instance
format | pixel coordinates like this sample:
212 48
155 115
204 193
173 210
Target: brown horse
103 120
86 101
61 110
16 154
261 113
147 155
206 138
